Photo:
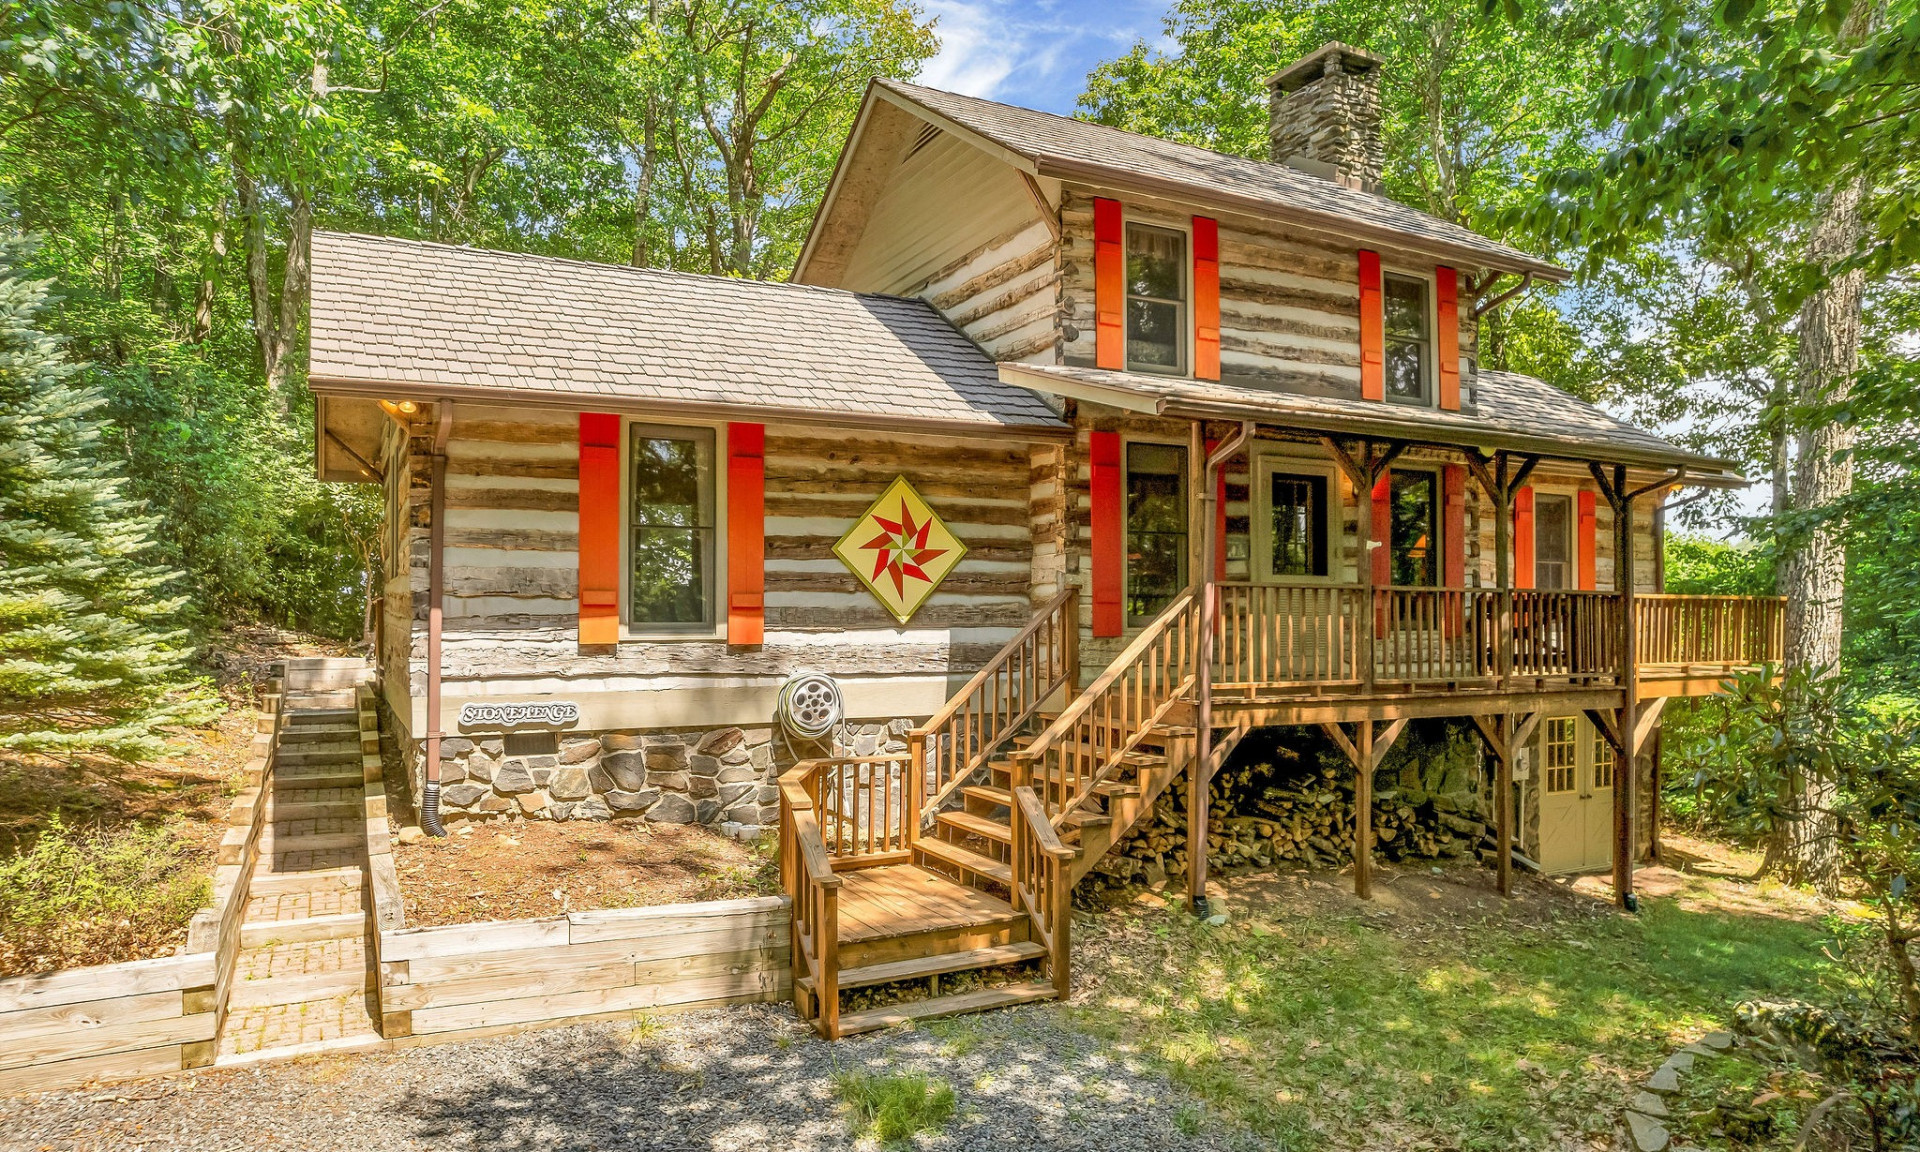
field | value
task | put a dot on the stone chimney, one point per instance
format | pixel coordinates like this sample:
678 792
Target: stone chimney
1324 116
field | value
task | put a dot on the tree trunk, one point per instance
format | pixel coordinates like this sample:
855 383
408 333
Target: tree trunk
1804 847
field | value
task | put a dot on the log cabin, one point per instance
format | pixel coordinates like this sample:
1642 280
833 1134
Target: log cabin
1067 458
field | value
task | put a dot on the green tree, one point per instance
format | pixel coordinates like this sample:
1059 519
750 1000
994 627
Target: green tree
87 653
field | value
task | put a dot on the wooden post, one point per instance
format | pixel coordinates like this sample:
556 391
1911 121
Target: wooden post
1503 807
1627 770
1199 774
1363 813
1503 569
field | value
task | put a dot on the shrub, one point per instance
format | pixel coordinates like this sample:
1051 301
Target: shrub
76 898
892 1108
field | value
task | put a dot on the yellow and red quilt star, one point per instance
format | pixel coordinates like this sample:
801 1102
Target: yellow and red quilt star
900 549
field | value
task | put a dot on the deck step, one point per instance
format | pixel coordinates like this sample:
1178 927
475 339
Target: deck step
979 1000
989 793
341 716
936 965
319 880
966 859
266 933
980 826
320 734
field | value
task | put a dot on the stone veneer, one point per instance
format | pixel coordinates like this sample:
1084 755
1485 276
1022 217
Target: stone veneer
726 778
1333 118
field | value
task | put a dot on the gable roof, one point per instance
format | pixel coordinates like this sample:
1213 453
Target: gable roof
1065 148
1514 413
396 316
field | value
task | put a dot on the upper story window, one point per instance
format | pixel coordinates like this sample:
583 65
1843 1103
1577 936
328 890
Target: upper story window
671 518
1156 299
1409 340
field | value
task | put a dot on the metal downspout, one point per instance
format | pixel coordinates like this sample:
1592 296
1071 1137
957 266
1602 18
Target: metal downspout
436 578
1199 780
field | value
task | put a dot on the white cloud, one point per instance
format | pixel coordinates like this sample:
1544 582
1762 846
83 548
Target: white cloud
1026 53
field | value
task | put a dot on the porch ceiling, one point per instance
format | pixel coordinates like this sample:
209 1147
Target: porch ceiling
1514 413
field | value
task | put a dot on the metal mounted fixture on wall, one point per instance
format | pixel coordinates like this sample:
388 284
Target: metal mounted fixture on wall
809 706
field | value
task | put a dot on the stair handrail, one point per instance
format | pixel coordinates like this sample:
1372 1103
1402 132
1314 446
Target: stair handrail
807 876
1173 636
1043 883
966 732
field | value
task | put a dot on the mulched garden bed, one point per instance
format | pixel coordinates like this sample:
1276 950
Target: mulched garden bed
516 869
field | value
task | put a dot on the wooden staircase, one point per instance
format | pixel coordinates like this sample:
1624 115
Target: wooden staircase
960 859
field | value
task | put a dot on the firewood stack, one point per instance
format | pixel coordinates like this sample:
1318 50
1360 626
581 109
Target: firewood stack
1298 811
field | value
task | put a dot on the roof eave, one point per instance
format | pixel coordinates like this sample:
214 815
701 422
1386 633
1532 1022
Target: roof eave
1067 168
323 384
1704 471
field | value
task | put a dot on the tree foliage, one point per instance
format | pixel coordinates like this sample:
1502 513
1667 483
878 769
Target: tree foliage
88 650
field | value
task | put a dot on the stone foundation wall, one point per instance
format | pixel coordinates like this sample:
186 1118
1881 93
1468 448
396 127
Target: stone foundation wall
724 778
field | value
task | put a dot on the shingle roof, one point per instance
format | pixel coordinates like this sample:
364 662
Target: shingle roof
403 312
1513 411
1060 146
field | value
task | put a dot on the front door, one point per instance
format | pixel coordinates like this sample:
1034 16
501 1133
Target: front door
1576 797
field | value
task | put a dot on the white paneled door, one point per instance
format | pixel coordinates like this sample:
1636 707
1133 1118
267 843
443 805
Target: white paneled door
1576 797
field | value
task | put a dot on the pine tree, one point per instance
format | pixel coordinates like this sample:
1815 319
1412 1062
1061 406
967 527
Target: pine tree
88 659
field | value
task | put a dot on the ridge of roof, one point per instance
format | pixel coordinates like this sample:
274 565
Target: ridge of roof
603 267
1346 209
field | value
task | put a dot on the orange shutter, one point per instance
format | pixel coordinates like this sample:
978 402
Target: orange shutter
1523 538
599 528
1373 329
1588 537
1446 290
1453 573
1109 535
1109 285
746 533
1206 298
1383 529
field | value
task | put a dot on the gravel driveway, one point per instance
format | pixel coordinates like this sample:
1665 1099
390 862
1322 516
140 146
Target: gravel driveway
742 1079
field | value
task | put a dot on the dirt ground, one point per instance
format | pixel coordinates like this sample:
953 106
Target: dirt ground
509 870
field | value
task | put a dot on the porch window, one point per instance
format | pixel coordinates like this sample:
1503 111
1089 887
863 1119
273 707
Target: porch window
671 516
1156 299
1552 541
1409 340
1299 505
1156 528
1602 763
1415 530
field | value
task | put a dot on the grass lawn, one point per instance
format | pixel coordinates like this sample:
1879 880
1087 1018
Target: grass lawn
1440 1016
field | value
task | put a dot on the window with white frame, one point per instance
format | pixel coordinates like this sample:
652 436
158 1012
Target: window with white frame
1409 339
1156 299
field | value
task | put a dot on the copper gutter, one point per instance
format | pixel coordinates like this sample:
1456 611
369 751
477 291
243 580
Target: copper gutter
436 580
1199 779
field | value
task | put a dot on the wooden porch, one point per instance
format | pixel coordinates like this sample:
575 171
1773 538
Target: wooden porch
960 857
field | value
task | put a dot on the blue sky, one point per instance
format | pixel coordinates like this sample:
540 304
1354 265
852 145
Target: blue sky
1034 53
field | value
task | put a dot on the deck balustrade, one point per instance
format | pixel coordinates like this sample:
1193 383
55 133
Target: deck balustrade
1326 635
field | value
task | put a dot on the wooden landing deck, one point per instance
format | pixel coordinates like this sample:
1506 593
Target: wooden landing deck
906 899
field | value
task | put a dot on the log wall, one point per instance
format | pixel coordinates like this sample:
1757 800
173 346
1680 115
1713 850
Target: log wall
512 571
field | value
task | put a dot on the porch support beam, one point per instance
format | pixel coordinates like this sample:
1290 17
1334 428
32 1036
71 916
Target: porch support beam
1365 750
1200 770
1364 471
1500 479
1505 734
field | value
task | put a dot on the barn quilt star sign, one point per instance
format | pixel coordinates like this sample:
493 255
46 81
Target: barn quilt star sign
900 550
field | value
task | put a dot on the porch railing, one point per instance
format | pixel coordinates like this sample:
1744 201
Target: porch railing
1089 740
807 876
1043 883
1279 634
1726 631
1324 635
1007 692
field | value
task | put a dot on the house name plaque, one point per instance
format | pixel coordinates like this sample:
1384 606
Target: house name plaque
534 714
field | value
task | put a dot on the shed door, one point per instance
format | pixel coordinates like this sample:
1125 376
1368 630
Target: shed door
1576 797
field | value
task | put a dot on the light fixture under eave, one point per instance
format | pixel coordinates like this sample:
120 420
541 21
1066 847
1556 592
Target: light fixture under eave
401 411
